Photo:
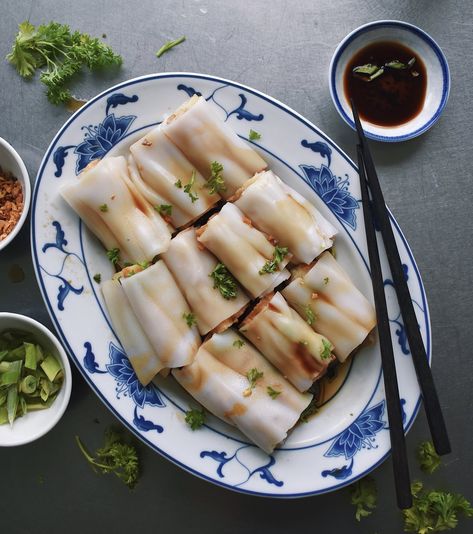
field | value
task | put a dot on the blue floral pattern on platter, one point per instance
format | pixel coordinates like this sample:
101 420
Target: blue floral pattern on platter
221 457
66 287
127 383
98 139
361 434
333 191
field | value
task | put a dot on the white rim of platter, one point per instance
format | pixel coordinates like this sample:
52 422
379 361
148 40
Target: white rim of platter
349 436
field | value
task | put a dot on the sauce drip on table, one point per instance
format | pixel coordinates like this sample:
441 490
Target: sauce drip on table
393 97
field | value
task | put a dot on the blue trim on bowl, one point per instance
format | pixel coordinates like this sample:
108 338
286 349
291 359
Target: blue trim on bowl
425 37
75 359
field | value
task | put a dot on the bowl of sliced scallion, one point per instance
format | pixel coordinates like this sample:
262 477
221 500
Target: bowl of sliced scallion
35 380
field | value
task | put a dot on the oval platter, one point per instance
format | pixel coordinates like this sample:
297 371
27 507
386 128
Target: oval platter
349 435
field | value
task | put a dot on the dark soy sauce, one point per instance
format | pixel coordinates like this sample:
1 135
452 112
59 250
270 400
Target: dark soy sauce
396 96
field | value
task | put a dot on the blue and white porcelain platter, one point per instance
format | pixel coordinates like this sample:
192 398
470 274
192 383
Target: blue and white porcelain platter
349 435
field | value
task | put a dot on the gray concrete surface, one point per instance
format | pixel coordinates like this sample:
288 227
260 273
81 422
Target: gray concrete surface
284 49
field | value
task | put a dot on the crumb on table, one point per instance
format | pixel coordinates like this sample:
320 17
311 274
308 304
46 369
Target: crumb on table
11 203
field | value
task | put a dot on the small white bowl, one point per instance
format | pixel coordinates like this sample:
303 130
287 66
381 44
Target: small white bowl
438 76
10 161
35 424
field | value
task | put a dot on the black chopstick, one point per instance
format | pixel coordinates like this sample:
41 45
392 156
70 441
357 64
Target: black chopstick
438 429
393 403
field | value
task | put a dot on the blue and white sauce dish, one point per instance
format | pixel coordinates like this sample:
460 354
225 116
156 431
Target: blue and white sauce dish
349 436
424 47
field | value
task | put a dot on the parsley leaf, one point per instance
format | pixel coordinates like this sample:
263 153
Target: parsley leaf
170 44
327 349
103 208
190 319
364 496
118 456
271 265
164 209
326 280
178 183
254 135
224 282
114 255
273 393
433 510
60 54
310 316
216 183
238 343
98 278
188 188
195 418
253 375
429 460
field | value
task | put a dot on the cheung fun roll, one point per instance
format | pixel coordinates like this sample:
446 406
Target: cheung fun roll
213 294
280 211
116 212
233 381
197 130
288 342
168 180
333 306
245 251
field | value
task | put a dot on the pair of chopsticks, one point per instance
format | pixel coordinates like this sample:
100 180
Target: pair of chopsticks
438 430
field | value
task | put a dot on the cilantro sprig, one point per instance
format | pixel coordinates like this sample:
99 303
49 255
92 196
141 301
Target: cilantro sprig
60 54
189 186
433 510
364 496
216 183
118 456
195 418
272 265
429 460
224 282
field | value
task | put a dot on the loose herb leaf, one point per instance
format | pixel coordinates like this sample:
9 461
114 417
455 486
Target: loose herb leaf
195 418
253 375
433 510
60 54
118 456
224 281
326 280
429 460
271 265
188 188
98 278
178 184
216 183
364 496
103 208
170 44
164 209
310 316
273 393
114 255
327 349
254 136
238 343
190 319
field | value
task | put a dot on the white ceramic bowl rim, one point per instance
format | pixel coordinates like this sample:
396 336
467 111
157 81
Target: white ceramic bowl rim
58 408
25 183
422 35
